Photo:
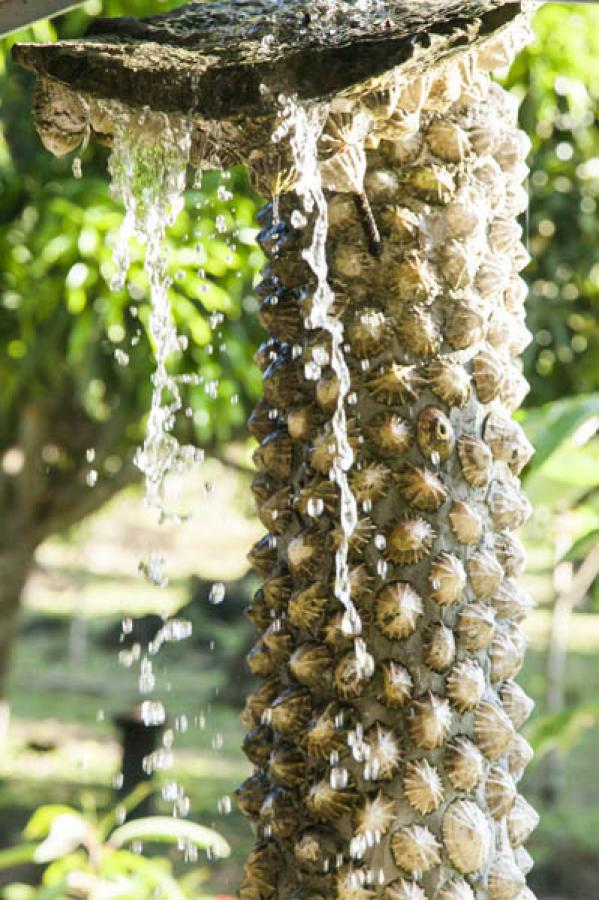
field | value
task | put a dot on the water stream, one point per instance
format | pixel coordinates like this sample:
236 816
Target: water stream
148 166
302 124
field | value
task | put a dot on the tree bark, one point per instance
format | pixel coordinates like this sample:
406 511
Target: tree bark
15 565
400 782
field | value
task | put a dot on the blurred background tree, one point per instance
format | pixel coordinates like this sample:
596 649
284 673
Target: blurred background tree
63 391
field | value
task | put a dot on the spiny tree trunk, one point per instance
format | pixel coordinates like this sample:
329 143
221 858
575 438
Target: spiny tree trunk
400 783
397 782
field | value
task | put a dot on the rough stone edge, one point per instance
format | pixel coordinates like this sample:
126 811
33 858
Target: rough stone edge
176 80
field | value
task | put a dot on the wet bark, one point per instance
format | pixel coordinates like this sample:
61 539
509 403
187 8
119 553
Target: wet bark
400 783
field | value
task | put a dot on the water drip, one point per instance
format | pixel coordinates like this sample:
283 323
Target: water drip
303 124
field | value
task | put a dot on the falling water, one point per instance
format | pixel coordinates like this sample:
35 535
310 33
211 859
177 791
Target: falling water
148 168
148 165
303 124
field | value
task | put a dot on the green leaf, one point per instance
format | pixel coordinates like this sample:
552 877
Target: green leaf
561 731
151 873
139 793
15 856
56 874
163 829
41 821
192 881
19 891
67 832
549 426
582 546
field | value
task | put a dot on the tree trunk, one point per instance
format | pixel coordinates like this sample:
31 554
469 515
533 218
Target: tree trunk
400 782
15 565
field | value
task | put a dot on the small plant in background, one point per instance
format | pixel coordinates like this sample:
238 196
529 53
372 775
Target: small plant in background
90 858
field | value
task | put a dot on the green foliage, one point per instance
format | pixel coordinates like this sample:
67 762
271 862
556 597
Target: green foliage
80 853
549 426
561 479
561 731
63 388
558 79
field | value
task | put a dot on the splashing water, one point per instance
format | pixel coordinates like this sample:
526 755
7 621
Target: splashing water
148 166
303 124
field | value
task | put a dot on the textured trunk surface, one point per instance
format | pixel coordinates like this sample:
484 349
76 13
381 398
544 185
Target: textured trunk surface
15 565
398 780
400 783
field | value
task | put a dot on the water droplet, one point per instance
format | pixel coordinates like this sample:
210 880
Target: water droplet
182 807
121 357
312 371
224 805
153 569
181 723
152 713
171 791
147 680
298 219
315 507
339 778
176 630
92 478
320 355
382 567
217 593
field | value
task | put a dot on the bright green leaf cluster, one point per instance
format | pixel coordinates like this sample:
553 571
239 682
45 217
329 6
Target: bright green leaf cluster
91 858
